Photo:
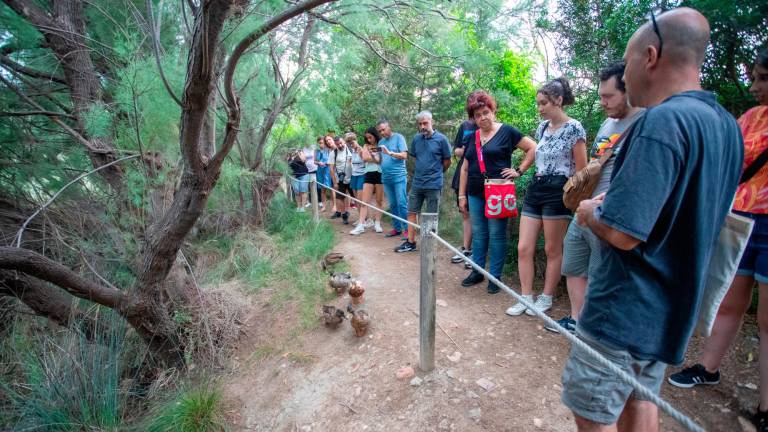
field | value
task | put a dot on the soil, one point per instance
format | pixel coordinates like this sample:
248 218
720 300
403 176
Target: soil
493 372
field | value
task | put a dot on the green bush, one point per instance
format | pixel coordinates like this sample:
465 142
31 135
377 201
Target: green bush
195 410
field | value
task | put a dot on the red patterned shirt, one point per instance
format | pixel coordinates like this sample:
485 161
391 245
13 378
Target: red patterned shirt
752 196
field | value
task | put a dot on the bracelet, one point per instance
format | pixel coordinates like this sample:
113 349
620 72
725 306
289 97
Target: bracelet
462 196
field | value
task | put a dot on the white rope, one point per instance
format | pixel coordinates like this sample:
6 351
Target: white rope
643 391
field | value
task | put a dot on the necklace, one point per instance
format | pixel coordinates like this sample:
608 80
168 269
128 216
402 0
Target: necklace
484 141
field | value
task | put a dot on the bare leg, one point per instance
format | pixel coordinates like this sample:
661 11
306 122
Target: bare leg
727 323
379 190
577 289
639 416
526 248
363 209
413 218
584 425
554 233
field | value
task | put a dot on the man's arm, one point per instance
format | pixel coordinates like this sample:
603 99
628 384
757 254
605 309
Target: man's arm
614 237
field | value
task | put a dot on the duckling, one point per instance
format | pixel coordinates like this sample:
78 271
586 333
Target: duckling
333 316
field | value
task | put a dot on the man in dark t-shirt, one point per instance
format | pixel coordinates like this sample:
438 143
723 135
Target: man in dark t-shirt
672 186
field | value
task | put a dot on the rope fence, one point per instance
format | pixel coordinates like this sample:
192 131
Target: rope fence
427 320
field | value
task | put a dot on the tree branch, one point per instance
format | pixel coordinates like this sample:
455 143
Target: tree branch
6 61
41 267
155 32
33 113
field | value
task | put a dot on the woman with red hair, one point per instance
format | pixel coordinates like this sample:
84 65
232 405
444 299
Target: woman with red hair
497 142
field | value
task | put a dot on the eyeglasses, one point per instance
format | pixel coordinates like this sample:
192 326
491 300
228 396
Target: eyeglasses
653 12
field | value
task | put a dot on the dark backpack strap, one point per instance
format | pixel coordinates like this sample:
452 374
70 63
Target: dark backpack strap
754 167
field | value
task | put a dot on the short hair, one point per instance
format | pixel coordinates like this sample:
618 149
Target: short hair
762 58
382 121
372 130
350 136
479 99
615 70
558 87
424 115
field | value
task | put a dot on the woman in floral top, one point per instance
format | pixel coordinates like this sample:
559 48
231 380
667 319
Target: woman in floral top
561 151
751 201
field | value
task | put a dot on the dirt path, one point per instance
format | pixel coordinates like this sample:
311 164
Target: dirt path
334 381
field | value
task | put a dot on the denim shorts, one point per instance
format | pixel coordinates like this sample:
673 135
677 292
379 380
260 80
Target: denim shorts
544 198
595 393
416 198
581 250
301 184
357 182
754 262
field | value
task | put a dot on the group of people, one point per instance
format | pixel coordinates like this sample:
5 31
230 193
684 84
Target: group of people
636 253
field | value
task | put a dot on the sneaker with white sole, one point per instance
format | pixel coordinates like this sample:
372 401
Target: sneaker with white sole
518 308
460 257
565 322
359 229
377 227
543 304
693 376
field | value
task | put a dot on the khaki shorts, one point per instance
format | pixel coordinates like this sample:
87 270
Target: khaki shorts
593 392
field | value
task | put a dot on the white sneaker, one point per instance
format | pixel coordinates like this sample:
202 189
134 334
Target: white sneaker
359 229
543 304
300 210
368 223
377 227
307 204
518 308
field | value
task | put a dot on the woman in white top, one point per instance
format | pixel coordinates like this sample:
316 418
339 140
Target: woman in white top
561 151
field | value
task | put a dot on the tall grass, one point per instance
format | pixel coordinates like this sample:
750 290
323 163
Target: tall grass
194 410
67 383
285 258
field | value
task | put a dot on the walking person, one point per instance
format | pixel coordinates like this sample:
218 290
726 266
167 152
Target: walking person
466 128
751 201
371 153
394 176
673 184
497 142
580 245
432 153
341 175
300 181
560 152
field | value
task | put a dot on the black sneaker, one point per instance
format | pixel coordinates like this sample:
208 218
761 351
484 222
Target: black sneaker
336 215
345 218
492 288
406 247
565 322
694 375
460 257
761 420
474 278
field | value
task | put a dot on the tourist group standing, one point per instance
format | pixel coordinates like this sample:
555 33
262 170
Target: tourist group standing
667 166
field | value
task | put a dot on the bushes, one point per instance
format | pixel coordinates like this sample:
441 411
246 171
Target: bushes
194 410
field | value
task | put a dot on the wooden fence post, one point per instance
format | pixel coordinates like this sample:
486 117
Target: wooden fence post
313 196
427 297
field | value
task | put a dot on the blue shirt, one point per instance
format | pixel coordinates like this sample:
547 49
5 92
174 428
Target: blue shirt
392 169
429 153
673 183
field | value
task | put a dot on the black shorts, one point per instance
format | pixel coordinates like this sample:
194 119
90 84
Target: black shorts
343 188
373 177
544 198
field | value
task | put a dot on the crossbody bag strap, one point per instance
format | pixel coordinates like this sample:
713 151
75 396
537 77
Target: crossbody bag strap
479 149
754 167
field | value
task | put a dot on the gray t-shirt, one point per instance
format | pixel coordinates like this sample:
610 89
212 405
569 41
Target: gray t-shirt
607 137
358 164
554 152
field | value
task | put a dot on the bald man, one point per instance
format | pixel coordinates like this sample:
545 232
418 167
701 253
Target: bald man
673 183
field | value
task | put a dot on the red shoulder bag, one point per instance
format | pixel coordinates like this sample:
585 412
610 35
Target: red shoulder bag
500 198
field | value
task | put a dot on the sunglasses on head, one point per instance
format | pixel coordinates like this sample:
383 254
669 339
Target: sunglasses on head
652 16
